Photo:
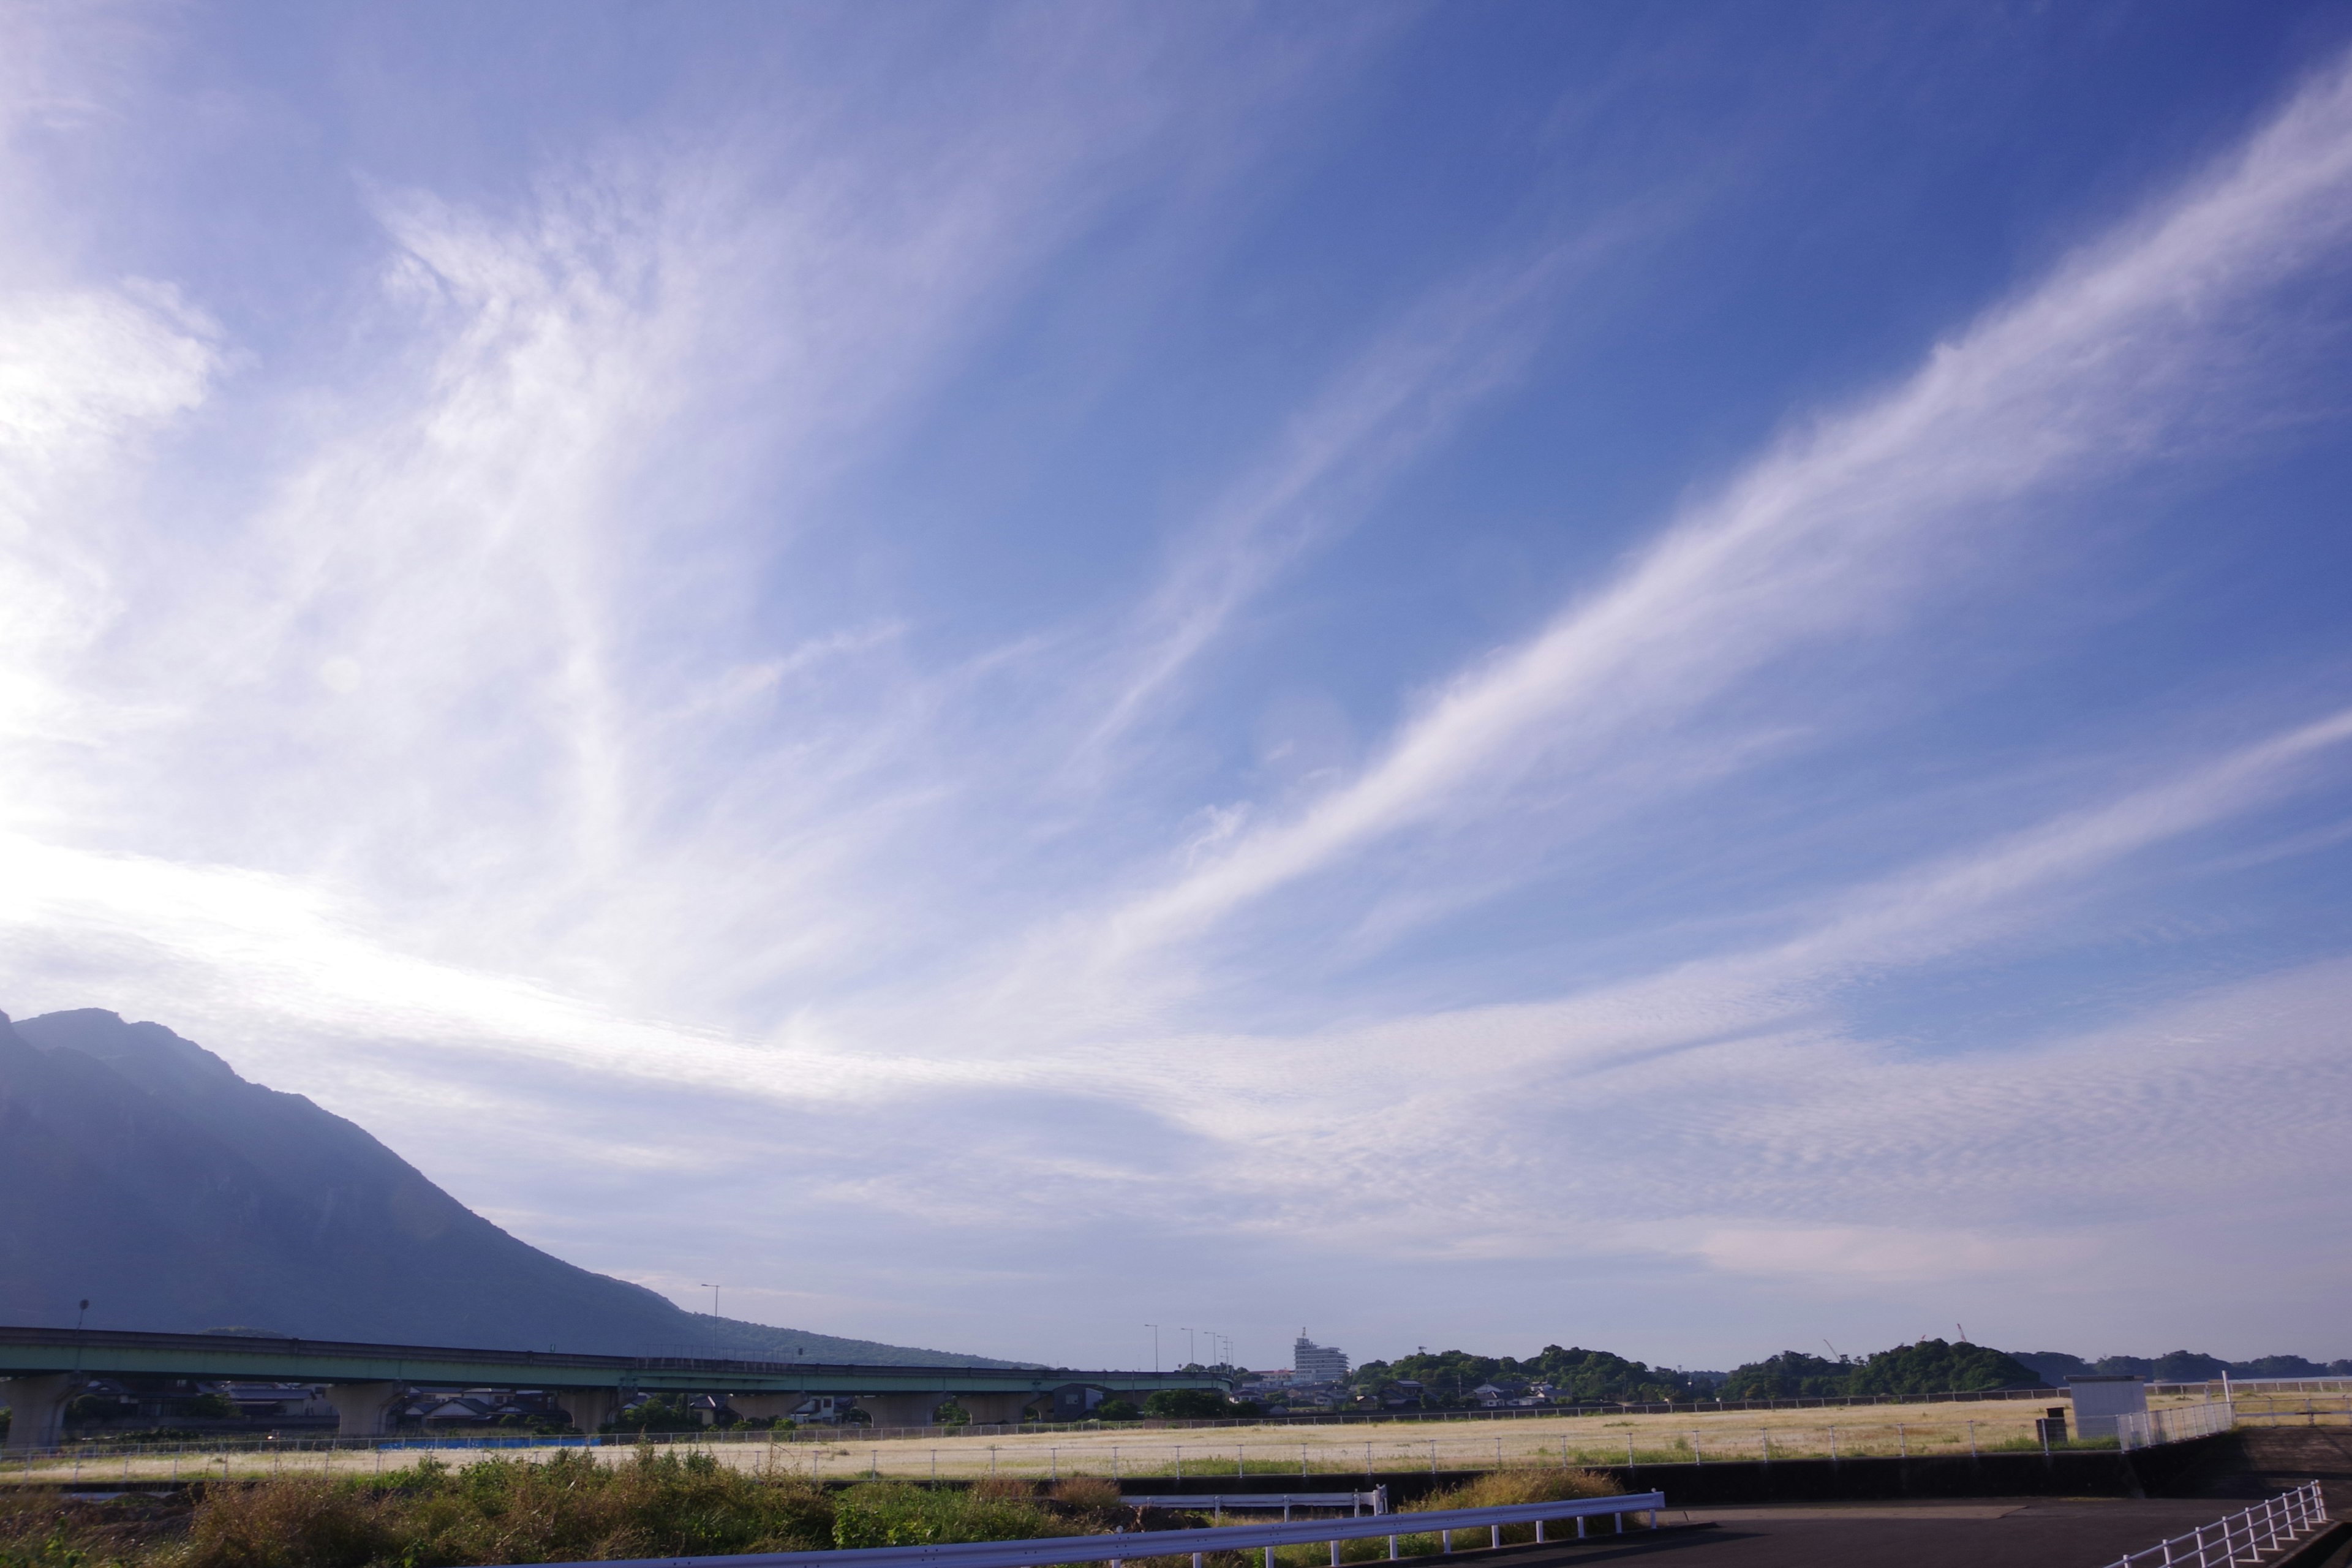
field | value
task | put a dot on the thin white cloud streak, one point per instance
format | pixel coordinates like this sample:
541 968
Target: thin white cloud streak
1995 894
1461 345
86 377
1839 531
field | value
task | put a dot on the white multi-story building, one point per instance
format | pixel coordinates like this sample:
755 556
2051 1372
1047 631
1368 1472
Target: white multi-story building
1311 1363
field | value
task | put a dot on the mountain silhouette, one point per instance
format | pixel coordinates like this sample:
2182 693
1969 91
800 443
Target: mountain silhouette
139 1170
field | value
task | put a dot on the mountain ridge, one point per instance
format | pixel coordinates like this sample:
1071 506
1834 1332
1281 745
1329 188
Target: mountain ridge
141 1171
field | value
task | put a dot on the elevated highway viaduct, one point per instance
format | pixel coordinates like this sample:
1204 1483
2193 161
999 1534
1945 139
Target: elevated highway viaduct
43 1369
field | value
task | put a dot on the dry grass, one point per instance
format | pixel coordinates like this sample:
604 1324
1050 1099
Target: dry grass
1307 1452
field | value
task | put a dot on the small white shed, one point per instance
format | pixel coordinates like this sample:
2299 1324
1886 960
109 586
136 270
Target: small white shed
2099 1400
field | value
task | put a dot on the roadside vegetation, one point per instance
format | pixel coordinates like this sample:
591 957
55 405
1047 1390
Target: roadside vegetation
570 1509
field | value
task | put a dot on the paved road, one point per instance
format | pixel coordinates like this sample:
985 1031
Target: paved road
2019 1533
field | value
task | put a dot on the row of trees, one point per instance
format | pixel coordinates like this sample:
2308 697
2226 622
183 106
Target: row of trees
1448 1378
1931 1366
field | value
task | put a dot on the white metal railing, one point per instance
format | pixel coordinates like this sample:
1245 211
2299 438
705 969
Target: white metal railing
1118 1548
2242 1537
1373 1501
2145 1429
2256 1385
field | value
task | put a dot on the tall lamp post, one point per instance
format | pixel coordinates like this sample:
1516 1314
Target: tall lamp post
1155 1347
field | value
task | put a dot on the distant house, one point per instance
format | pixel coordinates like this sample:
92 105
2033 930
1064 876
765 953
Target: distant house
455 1410
828 1407
1077 1401
271 1400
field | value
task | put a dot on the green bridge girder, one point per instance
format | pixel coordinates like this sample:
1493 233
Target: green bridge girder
32 1353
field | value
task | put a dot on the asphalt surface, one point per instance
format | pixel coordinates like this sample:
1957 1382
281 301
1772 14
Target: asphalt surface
2038 1532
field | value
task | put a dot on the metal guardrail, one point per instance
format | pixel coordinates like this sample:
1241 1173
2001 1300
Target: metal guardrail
2176 1423
1374 1502
1120 1548
2243 1537
2256 1385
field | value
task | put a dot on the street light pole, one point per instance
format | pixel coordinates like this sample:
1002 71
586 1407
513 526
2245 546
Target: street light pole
1155 1347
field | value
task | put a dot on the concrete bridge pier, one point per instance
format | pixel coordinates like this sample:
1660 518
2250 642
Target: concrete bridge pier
589 1408
37 1409
362 1409
902 1409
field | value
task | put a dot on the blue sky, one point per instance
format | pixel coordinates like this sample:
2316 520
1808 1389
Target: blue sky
1664 678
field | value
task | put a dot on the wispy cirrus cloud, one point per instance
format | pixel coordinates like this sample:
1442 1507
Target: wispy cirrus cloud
1843 527
1460 344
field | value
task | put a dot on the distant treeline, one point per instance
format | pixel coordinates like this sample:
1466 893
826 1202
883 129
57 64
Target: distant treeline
1931 1366
1448 1378
1452 1378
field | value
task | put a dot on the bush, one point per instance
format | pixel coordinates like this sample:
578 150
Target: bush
1498 1489
900 1513
1188 1405
658 1414
1090 1496
1116 1410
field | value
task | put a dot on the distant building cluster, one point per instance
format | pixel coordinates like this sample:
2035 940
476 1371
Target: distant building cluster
1316 1375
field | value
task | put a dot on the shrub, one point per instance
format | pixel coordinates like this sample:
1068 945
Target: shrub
900 1513
302 1524
1087 1494
1498 1489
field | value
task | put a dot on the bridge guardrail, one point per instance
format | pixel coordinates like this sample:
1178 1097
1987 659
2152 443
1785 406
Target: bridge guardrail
2243 1537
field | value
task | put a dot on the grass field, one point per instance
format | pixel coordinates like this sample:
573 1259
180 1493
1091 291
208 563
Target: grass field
1333 1451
